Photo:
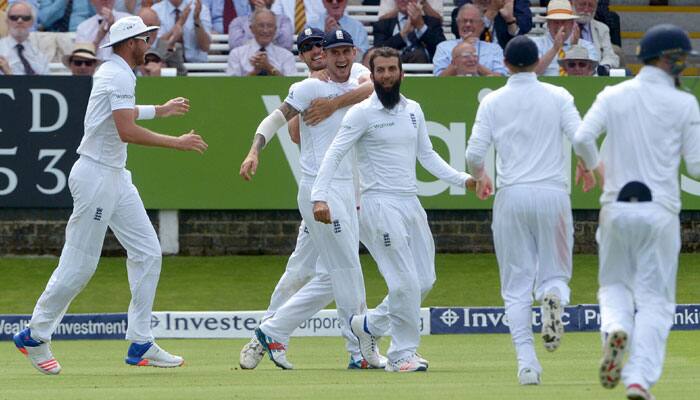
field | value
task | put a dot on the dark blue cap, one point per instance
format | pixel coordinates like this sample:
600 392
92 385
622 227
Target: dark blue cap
521 51
337 38
309 34
663 39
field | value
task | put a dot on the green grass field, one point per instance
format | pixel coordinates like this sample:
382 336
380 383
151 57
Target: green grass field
464 366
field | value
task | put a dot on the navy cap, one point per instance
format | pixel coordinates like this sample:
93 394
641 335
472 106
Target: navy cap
337 38
663 39
308 34
521 51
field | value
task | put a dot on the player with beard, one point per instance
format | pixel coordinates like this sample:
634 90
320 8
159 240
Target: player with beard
389 134
327 96
104 196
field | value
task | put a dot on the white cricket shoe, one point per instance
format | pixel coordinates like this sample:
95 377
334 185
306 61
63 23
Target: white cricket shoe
276 350
613 358
409 364
368 342
38 352
552 326
637 392
529 376
151 355
422 360
251 354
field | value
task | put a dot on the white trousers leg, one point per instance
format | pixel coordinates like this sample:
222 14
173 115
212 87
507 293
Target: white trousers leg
533 238
396 233
639 245
102 197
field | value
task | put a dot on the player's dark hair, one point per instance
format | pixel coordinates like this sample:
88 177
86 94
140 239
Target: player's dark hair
386 52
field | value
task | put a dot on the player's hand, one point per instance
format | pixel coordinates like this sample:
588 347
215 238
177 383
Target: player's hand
587 178
470 184
484 188
320 110
174 107
192 142
249 166
600 170
321 212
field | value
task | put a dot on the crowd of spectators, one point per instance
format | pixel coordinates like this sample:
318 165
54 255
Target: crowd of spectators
579 35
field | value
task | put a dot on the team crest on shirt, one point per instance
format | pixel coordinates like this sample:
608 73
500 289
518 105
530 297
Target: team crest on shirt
413 120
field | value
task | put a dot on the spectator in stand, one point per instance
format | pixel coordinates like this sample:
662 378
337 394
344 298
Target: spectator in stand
19 53
260 56
128 6
562 33
577 62
604 15
153 64
223 12
300 12
389 9
55 17
465 60
186 24
3 23
96 28
335 18
411 32
470 23
239 30
82 61
503 19
171 54
597 33
367 56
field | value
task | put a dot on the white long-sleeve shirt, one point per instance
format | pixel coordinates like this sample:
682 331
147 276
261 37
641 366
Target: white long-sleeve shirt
387 144
526 120
650 124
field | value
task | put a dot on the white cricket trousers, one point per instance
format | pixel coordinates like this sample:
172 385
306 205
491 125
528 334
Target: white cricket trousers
638 246
338 271
102 197
533 237
395 231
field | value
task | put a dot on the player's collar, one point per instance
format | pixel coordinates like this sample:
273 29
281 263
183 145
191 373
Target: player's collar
522 77
654 74
376 104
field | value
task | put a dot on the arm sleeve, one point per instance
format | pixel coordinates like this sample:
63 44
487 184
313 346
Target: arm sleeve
479 141
431 161
51 11
234 65
498 66
691 141
586 135
236 33
570 117
301 95
352 128
121 96
523 16
442 58
608 57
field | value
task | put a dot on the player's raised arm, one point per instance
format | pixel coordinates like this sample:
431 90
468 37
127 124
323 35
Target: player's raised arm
130 132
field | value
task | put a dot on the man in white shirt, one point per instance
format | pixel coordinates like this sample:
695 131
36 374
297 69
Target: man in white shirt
19 52
338 274
388 133
94 29
189 22
562 33
465 60
532 221
261 57
104 196
650 125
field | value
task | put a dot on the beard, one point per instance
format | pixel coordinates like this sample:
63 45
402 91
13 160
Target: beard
584 18
389 97
20 34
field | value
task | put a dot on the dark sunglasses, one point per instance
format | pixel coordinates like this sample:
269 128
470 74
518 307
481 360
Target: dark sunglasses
574 64
309 45
144 38
25 18
80 63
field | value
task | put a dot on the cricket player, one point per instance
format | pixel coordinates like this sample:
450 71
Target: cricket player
650 124
337 274
389 133
104 196
532 222
301 266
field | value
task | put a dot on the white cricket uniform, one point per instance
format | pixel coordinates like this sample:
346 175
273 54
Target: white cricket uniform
103 195
394 226
532 221
338 273
650 124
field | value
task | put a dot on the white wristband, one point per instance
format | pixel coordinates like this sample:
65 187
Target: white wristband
146 112
270 125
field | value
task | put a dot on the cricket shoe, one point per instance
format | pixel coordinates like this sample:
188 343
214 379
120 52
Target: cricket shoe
529 376
613 357
276 350
361 363
552 327
637 392
408 364
422 360
251 354
151 355
368 342
38 352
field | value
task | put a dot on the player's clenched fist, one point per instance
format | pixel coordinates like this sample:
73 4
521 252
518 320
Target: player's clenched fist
192 142
484 187
321 212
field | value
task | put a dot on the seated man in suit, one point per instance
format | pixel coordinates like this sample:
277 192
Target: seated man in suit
503 19
411 32
596 32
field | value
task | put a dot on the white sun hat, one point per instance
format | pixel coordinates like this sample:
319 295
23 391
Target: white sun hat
560 10
127 28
